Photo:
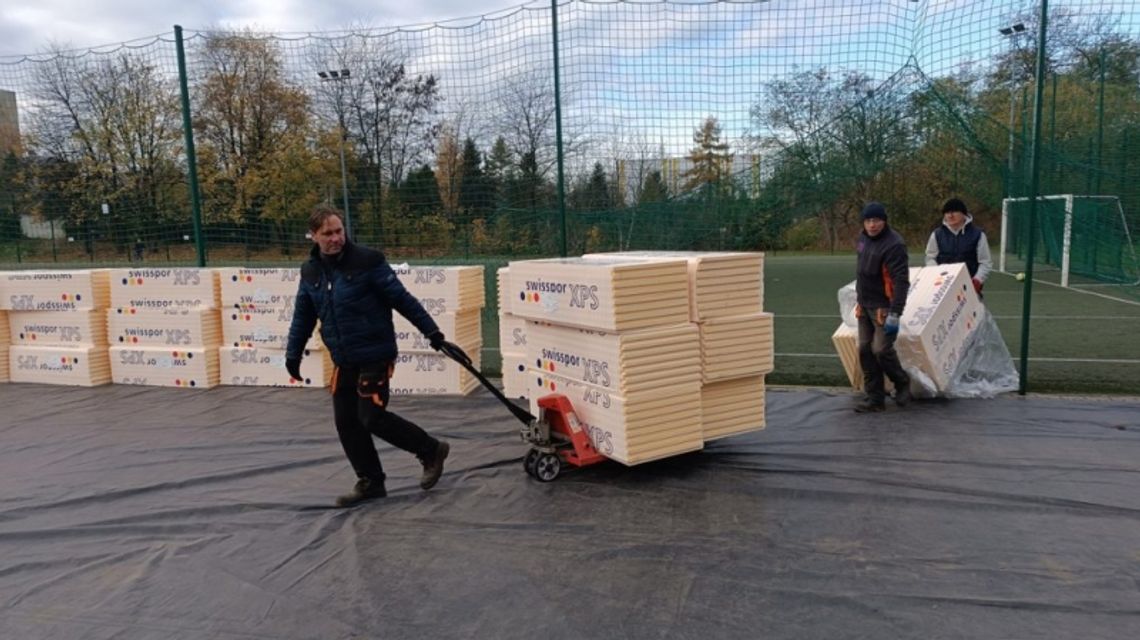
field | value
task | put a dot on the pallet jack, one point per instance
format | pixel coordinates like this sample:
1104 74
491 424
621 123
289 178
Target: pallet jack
556 437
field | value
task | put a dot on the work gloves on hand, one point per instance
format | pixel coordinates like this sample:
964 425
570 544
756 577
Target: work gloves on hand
977 285
293 366
891 325
449 349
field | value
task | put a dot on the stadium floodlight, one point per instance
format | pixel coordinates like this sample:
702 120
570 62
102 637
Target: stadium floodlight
338 75
1012 29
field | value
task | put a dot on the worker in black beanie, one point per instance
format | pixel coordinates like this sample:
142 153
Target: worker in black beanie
958 239
882 280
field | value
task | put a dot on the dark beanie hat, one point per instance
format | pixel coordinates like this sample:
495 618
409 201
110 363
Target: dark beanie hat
875 210
954 204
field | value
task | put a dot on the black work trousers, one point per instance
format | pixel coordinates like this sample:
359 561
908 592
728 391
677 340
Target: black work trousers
877 356
359 417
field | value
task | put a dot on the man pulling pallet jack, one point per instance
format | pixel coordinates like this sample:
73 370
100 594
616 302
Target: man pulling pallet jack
352 290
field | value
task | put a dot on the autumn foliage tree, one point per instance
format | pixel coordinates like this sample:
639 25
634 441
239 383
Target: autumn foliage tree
248 120
710 159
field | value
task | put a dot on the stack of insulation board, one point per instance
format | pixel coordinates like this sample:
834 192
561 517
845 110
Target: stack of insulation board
613 335
942 312
737 337
163 326
454 297
512 341
56 326
721 283
257 309
846 341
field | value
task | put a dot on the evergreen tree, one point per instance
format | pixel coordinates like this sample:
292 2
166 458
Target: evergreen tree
710 159
475 197
529 182
592 193
9 195
598 189
419 194
653 189
499 172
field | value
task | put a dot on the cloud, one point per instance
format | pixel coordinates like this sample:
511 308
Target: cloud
30 26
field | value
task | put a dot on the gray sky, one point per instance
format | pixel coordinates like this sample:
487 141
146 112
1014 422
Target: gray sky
29 26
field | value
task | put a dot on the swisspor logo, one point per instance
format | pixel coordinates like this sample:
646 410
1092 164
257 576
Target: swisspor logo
582 296
176 277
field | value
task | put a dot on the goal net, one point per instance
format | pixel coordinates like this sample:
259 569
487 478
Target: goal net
1084 240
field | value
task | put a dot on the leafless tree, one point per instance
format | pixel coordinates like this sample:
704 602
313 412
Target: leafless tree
526 120
389 113
117 117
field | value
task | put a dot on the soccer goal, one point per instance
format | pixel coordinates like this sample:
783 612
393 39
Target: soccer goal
1084 236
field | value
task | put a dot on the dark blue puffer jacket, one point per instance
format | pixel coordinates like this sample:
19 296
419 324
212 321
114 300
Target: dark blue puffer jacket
959 247
353 296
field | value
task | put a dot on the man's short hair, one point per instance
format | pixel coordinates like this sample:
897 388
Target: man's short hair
323 212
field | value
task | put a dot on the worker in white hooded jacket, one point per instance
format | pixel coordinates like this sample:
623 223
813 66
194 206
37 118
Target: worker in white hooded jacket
958 239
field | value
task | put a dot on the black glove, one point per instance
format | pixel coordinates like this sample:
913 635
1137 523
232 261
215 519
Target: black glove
436 340
293 366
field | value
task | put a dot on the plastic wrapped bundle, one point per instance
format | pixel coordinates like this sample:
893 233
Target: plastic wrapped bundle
983 367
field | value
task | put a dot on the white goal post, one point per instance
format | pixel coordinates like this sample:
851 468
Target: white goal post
1067 232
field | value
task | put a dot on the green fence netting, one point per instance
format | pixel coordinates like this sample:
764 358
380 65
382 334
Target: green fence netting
577 126
683 124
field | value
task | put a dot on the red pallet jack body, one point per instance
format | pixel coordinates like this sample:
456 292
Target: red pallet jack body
556 437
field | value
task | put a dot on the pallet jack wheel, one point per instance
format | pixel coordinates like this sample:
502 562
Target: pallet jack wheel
530 460
547 467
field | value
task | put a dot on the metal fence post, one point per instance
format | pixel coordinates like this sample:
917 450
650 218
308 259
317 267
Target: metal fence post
191 158
558 125
1038 96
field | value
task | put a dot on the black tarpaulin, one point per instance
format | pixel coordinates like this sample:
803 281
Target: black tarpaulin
132 512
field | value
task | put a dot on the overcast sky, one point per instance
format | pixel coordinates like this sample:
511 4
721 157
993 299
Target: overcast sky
29 26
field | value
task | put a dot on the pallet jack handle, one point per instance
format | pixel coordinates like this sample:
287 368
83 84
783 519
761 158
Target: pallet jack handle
453 351
556 439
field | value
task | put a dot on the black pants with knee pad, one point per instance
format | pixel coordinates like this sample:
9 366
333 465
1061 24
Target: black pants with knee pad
877 356
360 410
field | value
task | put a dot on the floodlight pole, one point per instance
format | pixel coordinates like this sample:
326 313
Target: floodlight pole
339 75
1012 32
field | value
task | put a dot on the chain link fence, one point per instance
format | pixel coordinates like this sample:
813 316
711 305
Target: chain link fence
751 125
577 126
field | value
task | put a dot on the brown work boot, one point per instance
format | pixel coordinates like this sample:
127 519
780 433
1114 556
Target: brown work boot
870 406
433 467
365 489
